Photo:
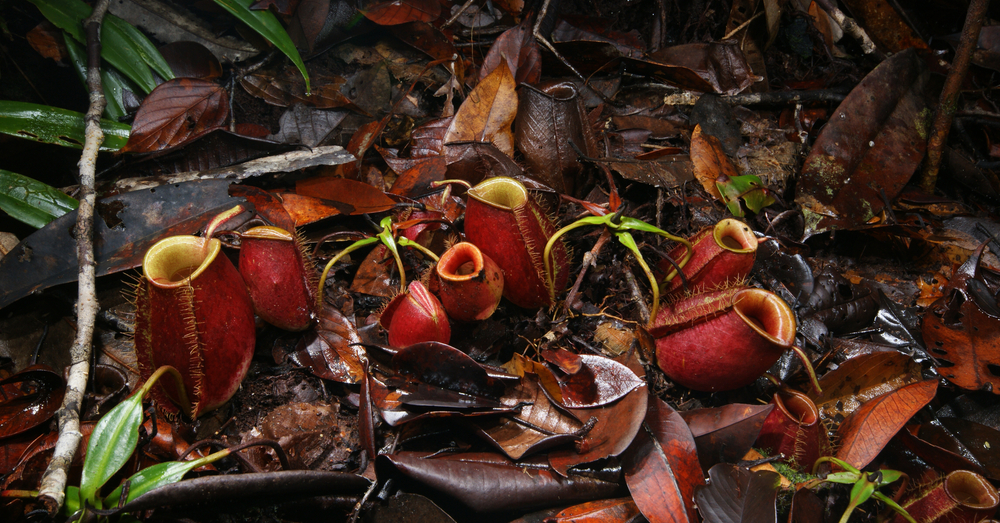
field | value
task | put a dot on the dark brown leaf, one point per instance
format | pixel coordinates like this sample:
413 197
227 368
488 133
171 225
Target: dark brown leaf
516 46
491 482
618 510
396 12
28 399
725 434
327 350
350 196
191 60
613 428
863 378
715 67
177 112
870 148
599 381
736 495
444 366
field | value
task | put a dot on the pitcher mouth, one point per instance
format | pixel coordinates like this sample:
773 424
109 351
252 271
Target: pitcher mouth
463 262
500 192
766 314
173 262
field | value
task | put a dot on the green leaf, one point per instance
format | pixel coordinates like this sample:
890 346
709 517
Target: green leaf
159 475
265 23
72 503
113 84
47 124
31 201
749 188
111 444
122 45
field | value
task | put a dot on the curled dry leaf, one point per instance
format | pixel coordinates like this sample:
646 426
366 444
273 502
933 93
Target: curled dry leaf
518 47
868 430
661 466
710 162
870 148
487 113
328 351
177 112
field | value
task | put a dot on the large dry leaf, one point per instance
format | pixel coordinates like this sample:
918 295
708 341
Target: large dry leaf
612 429
177 112
866 432
711 164
287 87
714 67
661 466
725 434
961 334
328 351
350 196
869 150
863 378
488 112
617 510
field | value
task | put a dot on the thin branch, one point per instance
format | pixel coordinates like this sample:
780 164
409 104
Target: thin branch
851 27
53 487
974 19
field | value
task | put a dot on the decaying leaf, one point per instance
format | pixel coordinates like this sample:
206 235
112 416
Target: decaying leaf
861 379
868 430
488 112
177 112
736 495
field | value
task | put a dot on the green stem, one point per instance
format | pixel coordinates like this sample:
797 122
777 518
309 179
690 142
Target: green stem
406 242
809 368
178 380
326 270
627 240
547 253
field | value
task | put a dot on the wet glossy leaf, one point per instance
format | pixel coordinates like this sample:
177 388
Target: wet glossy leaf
599 381
614 427
265 23
977 440
661 466
32 202
113 83
867 152
618 510
54 125
535 426
861 379
126 225
868 430
396 12
488 112
725 434
736 495
28 399
177 112
266 204
327 351
958 331
491 482
191 60
111 444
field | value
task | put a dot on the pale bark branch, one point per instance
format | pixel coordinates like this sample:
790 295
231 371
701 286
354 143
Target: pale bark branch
53 488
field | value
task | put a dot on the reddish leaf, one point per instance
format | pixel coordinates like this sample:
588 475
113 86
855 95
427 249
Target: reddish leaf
427 39
349 196
725 434
869 149
614 428
402 11
518 47
661 466
427 140
267 205
47 40
328 351
618 510
375 274
287 87
476 161
415 176
488 112
863 378
866 432
306 209
28 399
958 331
536 426
599 381
177 112
735 495
710 162
491 482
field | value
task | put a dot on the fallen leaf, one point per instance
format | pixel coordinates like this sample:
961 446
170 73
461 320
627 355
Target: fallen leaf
401 11
28 399
177 112
736 495
725 434
863 378
519 49
487 113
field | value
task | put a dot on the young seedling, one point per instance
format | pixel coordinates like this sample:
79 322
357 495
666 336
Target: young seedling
866 485
388 238
620 227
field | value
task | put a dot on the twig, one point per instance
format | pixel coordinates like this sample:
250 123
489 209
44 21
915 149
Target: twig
851 27
53 487
952 90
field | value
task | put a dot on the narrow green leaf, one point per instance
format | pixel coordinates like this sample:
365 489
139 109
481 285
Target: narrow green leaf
265 23
46 124
111 444
159 475
72 503
128 50
113 85
31 201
